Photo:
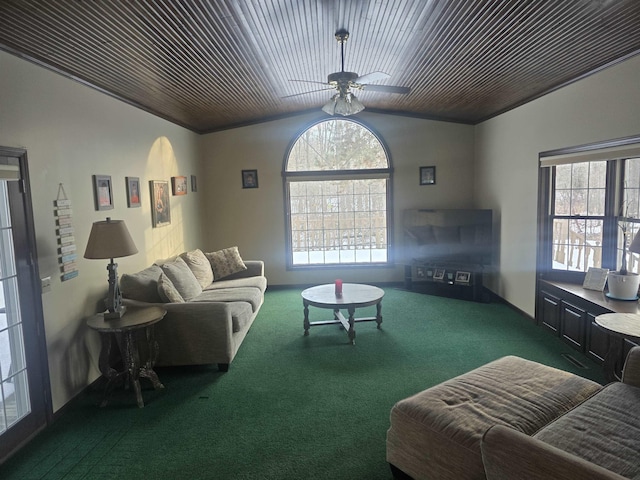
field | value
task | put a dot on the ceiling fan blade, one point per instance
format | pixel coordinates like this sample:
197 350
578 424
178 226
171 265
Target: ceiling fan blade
386 89
310 91
372 77
307 81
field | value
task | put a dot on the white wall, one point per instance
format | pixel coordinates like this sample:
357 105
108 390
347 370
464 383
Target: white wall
601 107
254 220
72 132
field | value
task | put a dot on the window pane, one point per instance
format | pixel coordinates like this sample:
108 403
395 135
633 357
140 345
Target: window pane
562 204
596 202
577 244
336 145
563 176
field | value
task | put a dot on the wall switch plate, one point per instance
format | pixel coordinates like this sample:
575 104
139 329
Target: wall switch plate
45 284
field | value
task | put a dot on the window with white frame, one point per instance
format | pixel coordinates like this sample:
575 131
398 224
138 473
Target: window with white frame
337 179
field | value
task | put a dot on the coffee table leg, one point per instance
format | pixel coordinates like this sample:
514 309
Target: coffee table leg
379 314
352 331
306 318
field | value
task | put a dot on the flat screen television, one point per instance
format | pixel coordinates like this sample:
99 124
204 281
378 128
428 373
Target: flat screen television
448 236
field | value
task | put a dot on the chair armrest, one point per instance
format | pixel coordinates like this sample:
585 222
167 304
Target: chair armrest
508 454
631 369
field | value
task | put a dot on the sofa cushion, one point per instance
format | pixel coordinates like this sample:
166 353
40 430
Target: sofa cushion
200 266
226 262
251 295
167 290
257 282
142 286
605 430
182 278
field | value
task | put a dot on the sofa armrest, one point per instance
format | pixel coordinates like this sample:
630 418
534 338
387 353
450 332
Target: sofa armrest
508 454
631 369
255 268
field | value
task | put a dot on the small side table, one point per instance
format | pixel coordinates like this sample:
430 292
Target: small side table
619 326
124 331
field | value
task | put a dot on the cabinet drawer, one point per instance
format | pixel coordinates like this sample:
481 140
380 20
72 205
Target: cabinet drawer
573 325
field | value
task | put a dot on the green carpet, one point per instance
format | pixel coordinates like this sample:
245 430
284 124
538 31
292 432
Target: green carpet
290 407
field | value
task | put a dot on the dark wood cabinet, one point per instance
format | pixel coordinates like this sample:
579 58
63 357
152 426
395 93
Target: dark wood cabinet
597 340
569 311
573 322
549 307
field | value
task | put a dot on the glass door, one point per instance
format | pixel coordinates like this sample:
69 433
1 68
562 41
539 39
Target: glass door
24 383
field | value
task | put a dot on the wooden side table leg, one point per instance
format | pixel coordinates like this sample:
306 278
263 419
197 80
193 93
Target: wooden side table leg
146 371
105 367
131 360
352 330
306 318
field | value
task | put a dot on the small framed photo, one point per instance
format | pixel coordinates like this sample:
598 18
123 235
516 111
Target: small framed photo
249 178
179 185
133 191
438 274
194 183
428 175
420 272
463 277
160 207
102 192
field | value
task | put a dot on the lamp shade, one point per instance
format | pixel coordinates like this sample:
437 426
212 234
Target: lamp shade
635 244
109 239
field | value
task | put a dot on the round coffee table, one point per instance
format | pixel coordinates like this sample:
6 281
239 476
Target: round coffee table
354 295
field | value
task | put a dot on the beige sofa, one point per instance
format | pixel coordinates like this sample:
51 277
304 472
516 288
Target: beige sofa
516 419
211 300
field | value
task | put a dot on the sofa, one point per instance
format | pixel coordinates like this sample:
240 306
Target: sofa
517 419
211 301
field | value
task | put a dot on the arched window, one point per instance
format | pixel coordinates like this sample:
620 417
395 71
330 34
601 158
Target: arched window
337 179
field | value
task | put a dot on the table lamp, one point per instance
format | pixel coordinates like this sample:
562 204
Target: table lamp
108 240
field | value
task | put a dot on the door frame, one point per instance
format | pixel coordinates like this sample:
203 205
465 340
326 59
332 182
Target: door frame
35 344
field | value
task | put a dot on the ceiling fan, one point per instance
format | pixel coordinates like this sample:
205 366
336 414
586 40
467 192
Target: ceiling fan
344 102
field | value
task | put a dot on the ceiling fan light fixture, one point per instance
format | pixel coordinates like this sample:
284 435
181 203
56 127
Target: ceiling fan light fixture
345 105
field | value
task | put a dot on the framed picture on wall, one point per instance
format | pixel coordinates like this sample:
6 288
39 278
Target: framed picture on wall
179 185
428 175
102 192
133 191
249 178
160 207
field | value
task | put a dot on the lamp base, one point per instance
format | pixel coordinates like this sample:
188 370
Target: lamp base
117 313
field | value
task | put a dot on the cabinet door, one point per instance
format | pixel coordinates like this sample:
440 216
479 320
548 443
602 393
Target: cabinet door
597 340
549 312
572 325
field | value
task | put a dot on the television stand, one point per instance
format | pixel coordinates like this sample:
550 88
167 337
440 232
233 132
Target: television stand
449 279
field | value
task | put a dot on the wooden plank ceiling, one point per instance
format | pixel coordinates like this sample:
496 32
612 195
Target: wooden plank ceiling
214 64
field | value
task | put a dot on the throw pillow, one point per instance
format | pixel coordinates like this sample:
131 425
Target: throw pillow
182 278
141 286
226 262
167 290
200 266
